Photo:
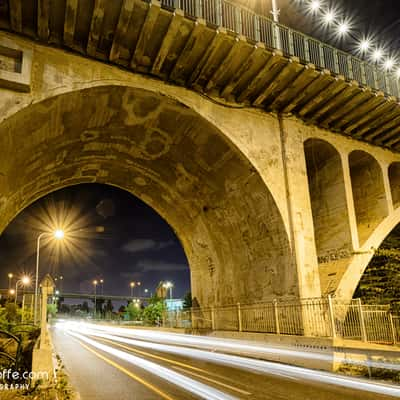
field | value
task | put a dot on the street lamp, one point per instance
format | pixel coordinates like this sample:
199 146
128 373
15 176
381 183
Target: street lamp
132 285
95 292
102 286
58 234
10 276
169 285
139 283
24 281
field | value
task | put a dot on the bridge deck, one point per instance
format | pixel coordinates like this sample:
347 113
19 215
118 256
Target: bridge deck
226 52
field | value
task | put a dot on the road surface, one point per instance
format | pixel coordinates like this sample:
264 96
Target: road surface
113 364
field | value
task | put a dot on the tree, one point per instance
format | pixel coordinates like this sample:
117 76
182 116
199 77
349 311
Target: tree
380 282
52 310
153 313
109 306
108 309
133 312
187 301
85 307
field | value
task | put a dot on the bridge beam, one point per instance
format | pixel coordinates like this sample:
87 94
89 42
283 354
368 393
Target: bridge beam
138 60
122 28
43 19
16 15
95 27
71 11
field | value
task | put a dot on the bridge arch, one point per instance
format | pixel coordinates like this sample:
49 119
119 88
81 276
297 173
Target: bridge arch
172 158
328 197
363 256
394 180
369 195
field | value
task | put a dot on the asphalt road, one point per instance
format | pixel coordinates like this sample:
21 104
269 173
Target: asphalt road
107 365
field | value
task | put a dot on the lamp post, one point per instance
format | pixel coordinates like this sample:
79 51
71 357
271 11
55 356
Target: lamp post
275 10
139 283
95 293
25 281
58 234
132 285
102 286
275 15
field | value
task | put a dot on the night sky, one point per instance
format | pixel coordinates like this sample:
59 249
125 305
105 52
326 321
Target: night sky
136 245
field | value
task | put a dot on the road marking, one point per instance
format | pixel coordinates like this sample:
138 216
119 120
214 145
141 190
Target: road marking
214 381
180 365
127 372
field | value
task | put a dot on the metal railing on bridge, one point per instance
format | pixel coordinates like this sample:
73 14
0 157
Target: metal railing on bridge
325 317
258 28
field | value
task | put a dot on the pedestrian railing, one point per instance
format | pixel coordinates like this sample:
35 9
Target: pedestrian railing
324 317
259 28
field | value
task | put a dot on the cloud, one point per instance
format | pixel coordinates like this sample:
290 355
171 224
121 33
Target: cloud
147 265
139 245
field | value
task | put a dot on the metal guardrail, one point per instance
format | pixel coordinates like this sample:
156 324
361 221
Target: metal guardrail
323 317
258 28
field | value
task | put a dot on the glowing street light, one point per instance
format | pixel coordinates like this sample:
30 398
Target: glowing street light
343 28
329 17
377 55
11 292
365 45
10 276
102 286
389 64
57 234
24 281
132 285
314 6
169 285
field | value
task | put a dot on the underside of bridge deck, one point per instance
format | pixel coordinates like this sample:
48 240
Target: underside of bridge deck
149 38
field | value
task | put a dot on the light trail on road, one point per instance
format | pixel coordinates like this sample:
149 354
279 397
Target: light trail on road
188 384
219 344
244 363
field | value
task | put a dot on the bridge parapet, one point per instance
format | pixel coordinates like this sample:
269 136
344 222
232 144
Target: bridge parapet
258 28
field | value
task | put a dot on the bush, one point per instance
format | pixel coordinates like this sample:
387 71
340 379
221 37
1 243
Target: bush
153 313
133 312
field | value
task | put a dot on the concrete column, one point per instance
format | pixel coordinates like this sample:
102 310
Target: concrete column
350 202
299 206
388 190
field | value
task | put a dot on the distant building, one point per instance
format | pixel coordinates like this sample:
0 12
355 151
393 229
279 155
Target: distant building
174 304
161 290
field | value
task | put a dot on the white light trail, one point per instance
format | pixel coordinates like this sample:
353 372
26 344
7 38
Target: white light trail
219 344
188 384
236 361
